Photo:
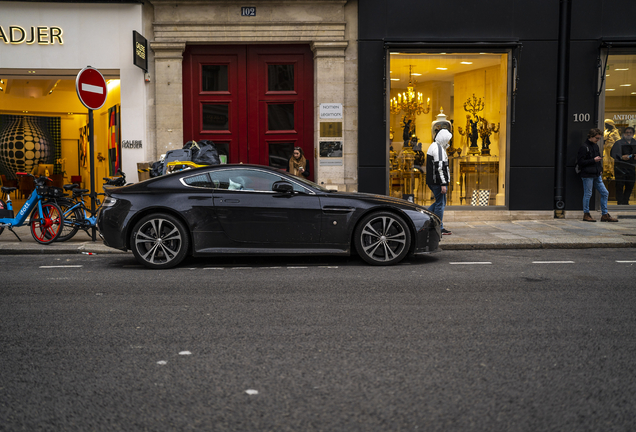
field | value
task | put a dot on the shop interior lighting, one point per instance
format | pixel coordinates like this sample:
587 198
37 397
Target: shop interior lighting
626 85
465 62
1 89
395 79
441 68
416 74
610 89
634 93
1 81
623 69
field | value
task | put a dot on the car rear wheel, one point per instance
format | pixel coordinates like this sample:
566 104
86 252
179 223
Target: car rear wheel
382 238
159 241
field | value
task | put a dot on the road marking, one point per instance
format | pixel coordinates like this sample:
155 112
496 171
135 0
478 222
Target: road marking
251 392
626 261
61 266
185 353
213 268
297 267
552 262
472 262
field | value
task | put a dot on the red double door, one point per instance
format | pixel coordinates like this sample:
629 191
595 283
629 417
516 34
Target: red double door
255 102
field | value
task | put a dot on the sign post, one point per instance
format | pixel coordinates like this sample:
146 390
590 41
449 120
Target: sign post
91 90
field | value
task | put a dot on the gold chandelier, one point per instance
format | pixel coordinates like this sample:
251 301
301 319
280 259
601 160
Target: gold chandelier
410 102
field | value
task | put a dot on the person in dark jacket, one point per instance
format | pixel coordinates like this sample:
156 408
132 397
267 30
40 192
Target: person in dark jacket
437 175
590 162
298 165
623 153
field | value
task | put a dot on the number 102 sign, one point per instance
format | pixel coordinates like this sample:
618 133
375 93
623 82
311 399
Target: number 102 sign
248 11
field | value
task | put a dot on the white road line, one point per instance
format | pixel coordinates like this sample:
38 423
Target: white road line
213 268
626 261
552 262
472 262
62 266
297 267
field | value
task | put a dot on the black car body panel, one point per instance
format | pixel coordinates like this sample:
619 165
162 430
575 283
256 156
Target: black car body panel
231 209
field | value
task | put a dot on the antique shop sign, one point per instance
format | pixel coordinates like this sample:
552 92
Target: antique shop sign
131 144
140 47
624 116
330 111
43 35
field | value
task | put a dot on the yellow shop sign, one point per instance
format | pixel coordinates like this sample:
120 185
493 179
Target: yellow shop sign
42 35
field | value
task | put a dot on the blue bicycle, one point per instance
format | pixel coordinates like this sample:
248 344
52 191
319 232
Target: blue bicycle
75 214
45 216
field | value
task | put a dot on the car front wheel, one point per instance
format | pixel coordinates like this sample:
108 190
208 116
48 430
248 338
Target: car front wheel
159 241
382 238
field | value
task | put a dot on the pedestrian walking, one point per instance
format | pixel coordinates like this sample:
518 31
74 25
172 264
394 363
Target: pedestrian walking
590 163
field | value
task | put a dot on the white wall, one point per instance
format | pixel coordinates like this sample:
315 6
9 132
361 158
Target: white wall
99 35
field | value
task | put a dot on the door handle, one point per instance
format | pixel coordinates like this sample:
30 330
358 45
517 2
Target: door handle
199 197
233 201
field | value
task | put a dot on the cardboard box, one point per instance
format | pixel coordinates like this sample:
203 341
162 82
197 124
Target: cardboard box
143 170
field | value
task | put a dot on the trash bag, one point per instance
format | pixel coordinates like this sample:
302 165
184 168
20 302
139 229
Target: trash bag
156 169
203 152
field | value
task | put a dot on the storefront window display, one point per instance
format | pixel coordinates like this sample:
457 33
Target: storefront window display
619 120
466 93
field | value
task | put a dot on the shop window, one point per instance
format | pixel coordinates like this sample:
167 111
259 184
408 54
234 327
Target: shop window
280 77
215 117
619 118
466 93
280 116
214 78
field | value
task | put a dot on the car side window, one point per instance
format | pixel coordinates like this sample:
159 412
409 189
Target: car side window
247 180
200 180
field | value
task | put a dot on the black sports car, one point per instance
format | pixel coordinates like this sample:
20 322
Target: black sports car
252 209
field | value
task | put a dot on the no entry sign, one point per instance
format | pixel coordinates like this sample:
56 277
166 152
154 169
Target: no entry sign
91 88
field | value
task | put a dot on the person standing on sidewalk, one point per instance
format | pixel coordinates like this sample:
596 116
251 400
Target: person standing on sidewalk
437 175
624 165
590 162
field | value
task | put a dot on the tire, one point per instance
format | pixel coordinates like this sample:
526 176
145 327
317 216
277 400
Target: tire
71 218
159 241
46 230
382 238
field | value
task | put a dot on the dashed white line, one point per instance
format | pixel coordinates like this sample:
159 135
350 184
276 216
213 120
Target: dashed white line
471 262
61 266
552 262
625 262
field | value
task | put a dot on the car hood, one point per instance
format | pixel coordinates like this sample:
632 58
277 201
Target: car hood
381 199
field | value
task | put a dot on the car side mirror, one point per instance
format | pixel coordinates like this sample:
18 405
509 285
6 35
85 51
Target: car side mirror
283 187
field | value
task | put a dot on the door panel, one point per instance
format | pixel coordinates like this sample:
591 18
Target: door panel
255 102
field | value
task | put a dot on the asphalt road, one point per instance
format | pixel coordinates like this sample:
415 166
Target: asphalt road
515 340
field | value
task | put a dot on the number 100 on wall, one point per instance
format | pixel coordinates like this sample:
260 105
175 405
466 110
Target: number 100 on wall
582 117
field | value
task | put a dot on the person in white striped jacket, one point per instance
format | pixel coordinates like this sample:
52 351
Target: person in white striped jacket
437 174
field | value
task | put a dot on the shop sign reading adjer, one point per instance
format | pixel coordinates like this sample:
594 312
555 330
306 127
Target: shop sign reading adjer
43 35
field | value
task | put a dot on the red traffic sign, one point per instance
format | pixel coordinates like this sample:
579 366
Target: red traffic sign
91 88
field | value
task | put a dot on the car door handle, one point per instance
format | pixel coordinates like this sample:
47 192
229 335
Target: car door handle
232 201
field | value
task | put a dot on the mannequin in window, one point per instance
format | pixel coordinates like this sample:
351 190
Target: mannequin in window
298 165
610 136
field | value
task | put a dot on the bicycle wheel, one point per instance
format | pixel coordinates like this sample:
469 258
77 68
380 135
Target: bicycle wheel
46 229
72 218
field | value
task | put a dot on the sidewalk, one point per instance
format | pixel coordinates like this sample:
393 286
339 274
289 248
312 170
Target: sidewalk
478 234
